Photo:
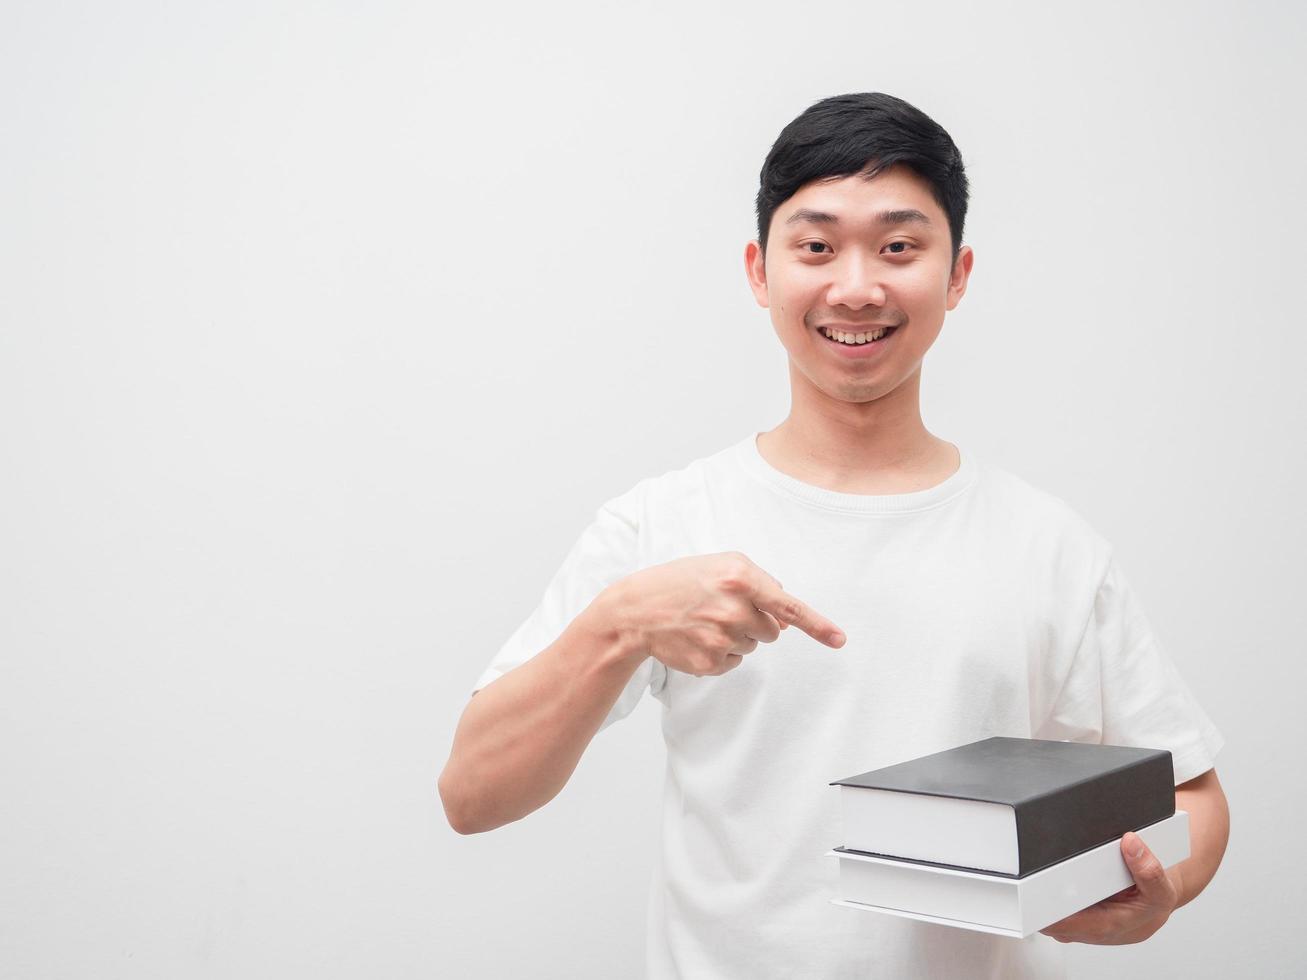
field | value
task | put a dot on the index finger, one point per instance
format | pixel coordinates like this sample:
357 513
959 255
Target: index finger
789 609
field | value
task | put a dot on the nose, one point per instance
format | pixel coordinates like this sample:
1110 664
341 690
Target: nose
856 282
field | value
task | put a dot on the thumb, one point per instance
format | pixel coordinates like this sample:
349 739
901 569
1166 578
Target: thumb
1145 868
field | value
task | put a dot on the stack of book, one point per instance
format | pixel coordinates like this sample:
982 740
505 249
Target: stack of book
1004 835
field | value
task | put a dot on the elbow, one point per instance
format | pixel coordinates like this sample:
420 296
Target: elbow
1224 823
455 812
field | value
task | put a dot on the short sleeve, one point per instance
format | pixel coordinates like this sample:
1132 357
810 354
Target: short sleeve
606 551
1124 689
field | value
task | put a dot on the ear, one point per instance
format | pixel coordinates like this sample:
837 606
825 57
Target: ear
755 267
957 280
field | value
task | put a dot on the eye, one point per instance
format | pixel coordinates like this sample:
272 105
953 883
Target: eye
906 246
818 244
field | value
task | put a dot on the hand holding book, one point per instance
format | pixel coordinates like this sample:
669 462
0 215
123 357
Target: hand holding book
1016 836
1131 915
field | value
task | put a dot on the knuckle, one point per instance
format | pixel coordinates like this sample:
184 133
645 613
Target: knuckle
721 645
733 582
736 574
1152 871
791 610
706 636
716 615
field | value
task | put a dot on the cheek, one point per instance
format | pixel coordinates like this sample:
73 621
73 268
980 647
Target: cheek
930 286
796 297
922 286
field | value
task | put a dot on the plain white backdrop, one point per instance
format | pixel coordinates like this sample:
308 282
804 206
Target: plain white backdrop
324 328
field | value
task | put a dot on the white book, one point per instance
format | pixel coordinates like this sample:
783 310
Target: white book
1007 906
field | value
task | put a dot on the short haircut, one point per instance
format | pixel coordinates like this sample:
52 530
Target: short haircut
862 133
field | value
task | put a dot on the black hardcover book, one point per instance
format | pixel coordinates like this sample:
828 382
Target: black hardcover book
1008 806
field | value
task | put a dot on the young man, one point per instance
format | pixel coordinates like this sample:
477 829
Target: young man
956 602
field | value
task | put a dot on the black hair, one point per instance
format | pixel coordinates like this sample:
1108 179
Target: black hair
862 133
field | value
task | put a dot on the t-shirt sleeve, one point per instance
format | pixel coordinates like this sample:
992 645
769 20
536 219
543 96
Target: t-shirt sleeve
606 551
1124 689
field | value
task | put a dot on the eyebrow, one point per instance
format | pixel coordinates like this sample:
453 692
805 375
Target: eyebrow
902 216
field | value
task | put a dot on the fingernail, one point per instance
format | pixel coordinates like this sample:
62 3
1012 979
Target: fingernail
1135 847
838 638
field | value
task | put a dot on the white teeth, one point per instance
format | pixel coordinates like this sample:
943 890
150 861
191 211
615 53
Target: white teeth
853 338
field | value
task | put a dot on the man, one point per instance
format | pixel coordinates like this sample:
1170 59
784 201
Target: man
957 602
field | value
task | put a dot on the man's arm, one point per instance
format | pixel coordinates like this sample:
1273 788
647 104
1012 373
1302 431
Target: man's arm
1209 831
519 741
520 738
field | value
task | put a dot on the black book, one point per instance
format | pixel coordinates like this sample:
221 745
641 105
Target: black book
1006 806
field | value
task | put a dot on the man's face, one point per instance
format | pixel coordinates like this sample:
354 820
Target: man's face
857 270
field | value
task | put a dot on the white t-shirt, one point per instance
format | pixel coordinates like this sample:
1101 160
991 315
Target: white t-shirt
980 606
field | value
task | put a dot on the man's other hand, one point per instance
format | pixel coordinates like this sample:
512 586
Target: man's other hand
1129 916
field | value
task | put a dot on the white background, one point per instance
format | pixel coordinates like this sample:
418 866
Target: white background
326 327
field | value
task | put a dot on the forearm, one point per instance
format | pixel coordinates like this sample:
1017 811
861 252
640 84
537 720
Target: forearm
520 738
1209 831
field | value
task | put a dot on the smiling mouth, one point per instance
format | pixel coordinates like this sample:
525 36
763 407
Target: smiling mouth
856 338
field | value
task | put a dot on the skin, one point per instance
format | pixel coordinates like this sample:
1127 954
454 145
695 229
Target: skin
855 427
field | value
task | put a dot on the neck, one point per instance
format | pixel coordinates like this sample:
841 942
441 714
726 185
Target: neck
877 446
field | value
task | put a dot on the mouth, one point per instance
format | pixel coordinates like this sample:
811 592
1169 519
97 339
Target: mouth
872 338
